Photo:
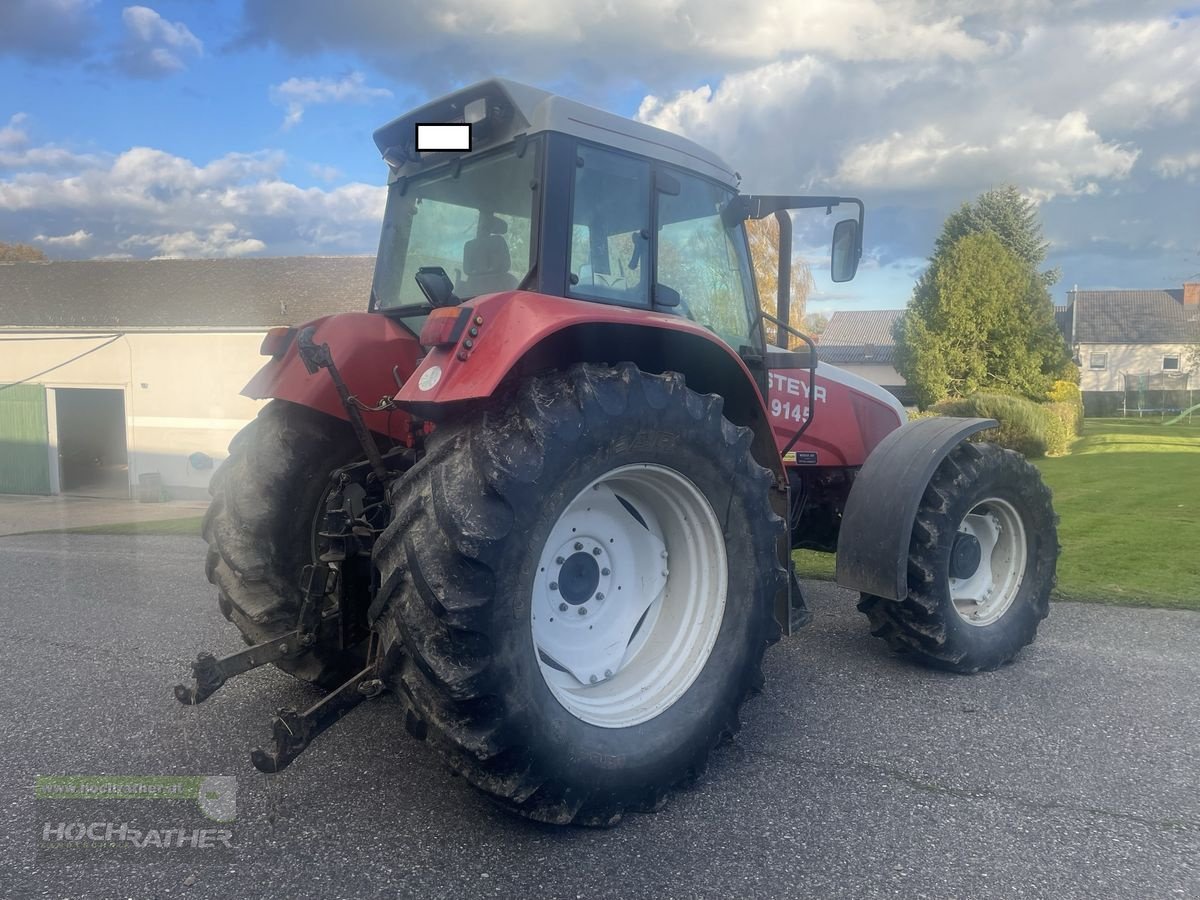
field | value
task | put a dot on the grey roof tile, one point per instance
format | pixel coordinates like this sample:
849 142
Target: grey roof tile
860 336
1134 317
183 293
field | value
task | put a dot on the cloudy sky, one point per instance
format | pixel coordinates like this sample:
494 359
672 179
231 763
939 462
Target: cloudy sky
230 128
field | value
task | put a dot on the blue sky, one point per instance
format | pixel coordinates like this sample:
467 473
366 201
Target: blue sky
223 127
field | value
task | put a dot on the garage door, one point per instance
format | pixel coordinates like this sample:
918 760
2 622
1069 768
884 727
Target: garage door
24 440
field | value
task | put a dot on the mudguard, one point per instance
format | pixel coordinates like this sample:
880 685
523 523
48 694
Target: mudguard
872 553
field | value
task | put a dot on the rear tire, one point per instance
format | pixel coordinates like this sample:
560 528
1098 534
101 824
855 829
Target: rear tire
986 517
461 585
267 500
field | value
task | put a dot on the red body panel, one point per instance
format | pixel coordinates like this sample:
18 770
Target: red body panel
847 425
512 323
365 347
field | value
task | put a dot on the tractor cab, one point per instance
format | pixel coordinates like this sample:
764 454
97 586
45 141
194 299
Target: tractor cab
560 199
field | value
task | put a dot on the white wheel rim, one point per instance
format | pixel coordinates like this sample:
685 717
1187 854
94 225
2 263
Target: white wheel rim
625 613
984 596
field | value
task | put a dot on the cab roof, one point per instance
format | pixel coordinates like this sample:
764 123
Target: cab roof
521 109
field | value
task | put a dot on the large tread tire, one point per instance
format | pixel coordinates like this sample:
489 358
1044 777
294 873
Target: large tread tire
456 568
266 500
924 625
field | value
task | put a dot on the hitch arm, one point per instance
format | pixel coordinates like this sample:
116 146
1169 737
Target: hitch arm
211 672
293 731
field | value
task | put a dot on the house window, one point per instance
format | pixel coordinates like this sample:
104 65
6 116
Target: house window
1098 361
1170 363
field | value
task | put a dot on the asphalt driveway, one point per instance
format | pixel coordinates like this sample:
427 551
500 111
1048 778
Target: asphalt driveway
1074 773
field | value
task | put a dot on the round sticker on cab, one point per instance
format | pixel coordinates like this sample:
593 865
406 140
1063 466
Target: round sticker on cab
429 378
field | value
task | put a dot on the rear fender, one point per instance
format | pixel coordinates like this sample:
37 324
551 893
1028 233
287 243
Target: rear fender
518 332
365 347
877 523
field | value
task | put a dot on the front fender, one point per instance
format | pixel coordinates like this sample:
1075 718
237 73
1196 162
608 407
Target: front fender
877 523
365 347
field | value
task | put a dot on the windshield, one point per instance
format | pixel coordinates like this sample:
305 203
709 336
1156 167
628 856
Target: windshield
476 223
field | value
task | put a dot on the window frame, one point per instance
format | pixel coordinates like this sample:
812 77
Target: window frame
1092 354
1178 367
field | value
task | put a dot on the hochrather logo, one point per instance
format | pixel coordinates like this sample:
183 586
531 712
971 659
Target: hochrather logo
125 822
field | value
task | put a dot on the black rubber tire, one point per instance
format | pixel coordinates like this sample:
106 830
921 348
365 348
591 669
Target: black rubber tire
266 498
456 568
924 625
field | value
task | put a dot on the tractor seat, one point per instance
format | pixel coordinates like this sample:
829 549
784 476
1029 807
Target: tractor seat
486 264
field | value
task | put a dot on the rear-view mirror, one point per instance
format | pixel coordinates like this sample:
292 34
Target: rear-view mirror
845 253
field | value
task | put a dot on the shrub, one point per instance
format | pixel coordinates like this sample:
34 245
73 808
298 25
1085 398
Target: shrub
1024 426
1068 392
1062 421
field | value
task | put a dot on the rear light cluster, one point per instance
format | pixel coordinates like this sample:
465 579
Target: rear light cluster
446 326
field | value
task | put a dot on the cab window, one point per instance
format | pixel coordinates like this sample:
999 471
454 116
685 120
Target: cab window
610 225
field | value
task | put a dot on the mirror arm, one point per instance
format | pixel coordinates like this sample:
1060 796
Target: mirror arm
783 305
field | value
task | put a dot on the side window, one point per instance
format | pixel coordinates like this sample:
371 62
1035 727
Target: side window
1098 361
609 226
702 259
1170 363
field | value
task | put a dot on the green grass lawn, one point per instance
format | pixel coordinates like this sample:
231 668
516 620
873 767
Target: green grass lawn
1128 499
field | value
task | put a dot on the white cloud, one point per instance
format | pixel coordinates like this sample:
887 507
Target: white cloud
147 202
296 94
12 135
152 47
1185 164
74 239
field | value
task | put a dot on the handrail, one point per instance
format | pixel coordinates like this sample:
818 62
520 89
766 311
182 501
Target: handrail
812 374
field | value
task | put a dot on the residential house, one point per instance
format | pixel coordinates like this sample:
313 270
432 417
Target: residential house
1135 349
861 342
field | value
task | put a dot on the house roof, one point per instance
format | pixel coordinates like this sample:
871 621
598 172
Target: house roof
860 336
1133 317
183 293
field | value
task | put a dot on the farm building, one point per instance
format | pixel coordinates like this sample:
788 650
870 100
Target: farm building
115 374
1136 350
861 342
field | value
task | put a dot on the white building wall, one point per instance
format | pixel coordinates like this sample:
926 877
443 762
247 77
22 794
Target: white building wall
181 391
879 373
1128 359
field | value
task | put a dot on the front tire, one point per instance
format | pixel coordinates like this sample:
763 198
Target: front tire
464 604
981 564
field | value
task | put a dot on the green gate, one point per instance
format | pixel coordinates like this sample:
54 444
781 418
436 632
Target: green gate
24 440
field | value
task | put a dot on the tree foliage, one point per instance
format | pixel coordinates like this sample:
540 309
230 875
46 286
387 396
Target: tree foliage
20 253
764 257
980 319
1011 217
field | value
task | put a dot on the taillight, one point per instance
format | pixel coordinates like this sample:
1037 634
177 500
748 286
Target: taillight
444 326
276 341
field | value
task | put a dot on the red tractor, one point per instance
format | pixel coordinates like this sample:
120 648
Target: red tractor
549 502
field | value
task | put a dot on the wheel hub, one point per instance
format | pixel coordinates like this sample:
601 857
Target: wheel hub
965 555
579 577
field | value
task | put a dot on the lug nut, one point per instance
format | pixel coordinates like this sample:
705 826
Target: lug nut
583 610
608 673
554 585
558 560
665 573
604 571
595 551
600 596
578 546
593 679
664 554
562 607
